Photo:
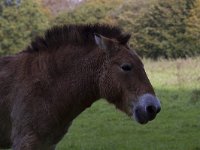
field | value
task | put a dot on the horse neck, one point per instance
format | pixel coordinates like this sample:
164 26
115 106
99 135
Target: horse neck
76 74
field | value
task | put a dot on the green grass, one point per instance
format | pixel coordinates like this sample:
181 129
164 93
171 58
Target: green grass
177 127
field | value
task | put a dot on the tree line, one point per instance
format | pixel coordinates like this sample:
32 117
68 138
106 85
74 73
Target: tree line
159 28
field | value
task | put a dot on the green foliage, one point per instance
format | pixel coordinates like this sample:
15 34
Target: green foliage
126 14
89 11
18 24
160 28
161 32
193 29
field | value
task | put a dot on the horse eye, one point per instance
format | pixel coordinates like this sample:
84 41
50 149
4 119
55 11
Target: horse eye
126 67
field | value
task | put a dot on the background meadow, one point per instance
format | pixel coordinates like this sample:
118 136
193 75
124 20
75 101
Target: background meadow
177 126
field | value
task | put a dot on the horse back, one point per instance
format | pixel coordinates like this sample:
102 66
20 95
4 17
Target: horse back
6 81
7 70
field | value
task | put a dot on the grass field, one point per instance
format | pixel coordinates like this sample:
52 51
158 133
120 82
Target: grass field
177 127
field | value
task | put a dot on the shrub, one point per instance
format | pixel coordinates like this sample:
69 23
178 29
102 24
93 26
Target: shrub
162 32
90 11
20 23
193 29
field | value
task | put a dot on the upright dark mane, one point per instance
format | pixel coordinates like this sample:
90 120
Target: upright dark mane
75 35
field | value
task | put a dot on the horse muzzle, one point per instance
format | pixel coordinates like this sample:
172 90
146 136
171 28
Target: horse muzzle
146 108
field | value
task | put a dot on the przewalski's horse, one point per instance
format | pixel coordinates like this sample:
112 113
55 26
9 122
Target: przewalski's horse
46 86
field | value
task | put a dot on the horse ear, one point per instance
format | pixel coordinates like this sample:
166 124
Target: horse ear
100 41
124 39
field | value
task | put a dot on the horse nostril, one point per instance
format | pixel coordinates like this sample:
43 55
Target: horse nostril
151 109
148 107
158 110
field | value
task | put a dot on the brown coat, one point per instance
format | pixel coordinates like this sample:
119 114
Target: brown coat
46 86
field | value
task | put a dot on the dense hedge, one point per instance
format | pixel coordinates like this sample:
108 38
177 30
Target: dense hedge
193 29
19 23
90 11
164 31
160 28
